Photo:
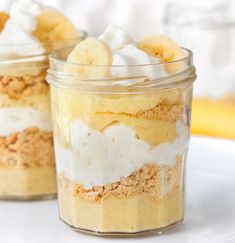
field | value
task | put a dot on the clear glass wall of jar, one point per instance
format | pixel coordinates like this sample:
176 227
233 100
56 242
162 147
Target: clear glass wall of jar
208 29
27 167
120 145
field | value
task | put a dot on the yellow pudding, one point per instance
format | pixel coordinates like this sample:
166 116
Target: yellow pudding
153 116
40 102
131 215
27 183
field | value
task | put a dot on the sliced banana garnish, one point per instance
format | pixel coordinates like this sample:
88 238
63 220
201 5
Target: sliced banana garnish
3 19
165 49
54 29
90 59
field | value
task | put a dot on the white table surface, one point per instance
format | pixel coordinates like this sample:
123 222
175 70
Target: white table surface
210 206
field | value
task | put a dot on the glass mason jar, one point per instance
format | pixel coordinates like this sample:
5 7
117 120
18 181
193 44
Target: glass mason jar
120 145
208 29
27 167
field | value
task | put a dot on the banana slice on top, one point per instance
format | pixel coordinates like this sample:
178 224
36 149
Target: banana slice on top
3 19
54 29
90 59
165 49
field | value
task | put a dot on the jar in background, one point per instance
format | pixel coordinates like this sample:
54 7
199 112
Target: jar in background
208 29
27 167
120 146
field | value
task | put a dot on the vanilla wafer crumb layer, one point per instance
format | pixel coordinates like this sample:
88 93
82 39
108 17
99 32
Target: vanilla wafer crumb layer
29 148
148 181
24 85
136 203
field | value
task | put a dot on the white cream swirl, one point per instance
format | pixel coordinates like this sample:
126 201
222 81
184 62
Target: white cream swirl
128 55
16 37
16 119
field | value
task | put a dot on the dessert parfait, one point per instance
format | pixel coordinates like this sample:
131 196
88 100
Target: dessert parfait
27 34
121 115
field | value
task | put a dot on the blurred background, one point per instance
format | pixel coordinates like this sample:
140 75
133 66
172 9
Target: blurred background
205 27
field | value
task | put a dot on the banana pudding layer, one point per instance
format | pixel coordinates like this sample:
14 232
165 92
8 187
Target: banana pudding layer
152 116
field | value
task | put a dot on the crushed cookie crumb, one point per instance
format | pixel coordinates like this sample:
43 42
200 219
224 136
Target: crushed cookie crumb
18 86
29 148
162 111
145 181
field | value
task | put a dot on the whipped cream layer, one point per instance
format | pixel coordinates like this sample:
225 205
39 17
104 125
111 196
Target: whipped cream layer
16 119
101 158
19 28
126 56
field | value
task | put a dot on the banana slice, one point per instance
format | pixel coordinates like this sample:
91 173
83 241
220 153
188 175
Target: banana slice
165 49
54 29
95 54
3 19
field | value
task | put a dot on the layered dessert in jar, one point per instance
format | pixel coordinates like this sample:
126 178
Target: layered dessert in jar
121 115
28 33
